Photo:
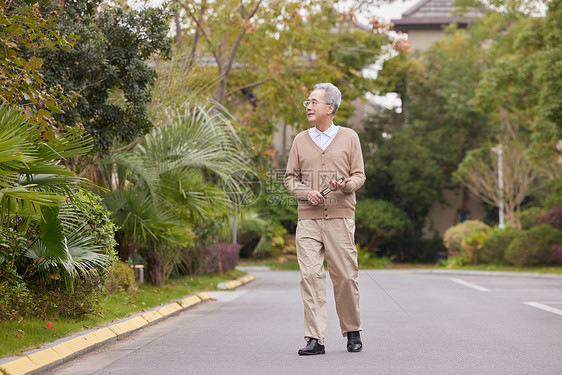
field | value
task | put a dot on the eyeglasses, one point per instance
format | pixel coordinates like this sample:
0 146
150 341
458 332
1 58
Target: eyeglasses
313 103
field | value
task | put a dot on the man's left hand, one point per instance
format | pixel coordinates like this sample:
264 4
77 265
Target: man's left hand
335 185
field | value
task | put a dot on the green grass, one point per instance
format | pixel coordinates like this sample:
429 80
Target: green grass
492 267
17 337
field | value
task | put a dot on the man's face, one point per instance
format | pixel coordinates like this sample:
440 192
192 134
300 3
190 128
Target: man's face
318 111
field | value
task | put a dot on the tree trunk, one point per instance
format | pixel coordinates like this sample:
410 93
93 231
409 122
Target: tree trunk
154 267
179 32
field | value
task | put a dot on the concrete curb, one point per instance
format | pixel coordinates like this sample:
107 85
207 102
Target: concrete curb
491 273
68 348
233 284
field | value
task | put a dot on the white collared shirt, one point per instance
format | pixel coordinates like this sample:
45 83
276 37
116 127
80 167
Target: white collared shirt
323 139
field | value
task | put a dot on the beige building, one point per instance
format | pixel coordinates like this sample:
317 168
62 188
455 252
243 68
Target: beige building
425 21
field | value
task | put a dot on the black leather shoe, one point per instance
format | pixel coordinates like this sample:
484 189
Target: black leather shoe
312 348
354 343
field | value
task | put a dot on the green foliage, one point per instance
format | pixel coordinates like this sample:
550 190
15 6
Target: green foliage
413 250
454 261
30 173
471 247
552 217
368 260
402 172
534 247
456 234
119 276
259 53
174 178
107 67
495 246
26 35
378 221
530 217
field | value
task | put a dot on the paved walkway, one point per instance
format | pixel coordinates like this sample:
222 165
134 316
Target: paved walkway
414 323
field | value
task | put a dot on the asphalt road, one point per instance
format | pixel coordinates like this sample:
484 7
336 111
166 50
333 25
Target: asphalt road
413 323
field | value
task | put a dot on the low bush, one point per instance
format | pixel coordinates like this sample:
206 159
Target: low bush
378 221
367 259
534 247
496 245
219 258
530 217
471 246
120 276
453 236
552 217
413 250
36 281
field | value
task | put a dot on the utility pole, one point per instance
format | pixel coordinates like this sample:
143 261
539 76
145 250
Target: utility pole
499 150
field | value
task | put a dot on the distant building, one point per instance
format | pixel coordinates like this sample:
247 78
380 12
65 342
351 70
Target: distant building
424 22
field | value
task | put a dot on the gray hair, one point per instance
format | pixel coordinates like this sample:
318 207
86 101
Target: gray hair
333 95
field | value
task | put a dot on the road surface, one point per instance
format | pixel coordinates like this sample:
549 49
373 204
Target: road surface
413 323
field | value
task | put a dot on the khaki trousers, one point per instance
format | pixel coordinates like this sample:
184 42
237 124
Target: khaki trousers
334 240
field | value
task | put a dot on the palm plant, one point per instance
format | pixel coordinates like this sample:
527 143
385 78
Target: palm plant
38 192
178 174
30 174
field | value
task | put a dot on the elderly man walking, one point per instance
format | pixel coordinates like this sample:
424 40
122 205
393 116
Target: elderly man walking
324 170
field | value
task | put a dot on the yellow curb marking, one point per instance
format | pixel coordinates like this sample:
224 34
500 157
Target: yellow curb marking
63 350
44 357
82 342
233 284
152 316
203 296
104 334
19 366
131 324
189 301
169 309
115 329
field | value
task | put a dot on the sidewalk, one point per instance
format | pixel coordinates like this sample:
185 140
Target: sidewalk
68 348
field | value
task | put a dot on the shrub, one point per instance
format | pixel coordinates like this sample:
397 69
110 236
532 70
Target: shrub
471 246
534 247
530 217
366 259
496 245
553 217
378 221
120 276
454 235
413 250
220 257
15 300
27 289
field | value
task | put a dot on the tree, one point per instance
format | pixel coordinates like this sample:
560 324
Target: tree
479 173
26 34
107 68
261 67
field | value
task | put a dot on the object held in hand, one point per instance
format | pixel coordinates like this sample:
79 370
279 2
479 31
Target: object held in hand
327 189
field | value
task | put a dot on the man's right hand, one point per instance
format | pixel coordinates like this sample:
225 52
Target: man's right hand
314 197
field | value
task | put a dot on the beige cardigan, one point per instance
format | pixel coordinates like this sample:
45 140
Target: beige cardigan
311 168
